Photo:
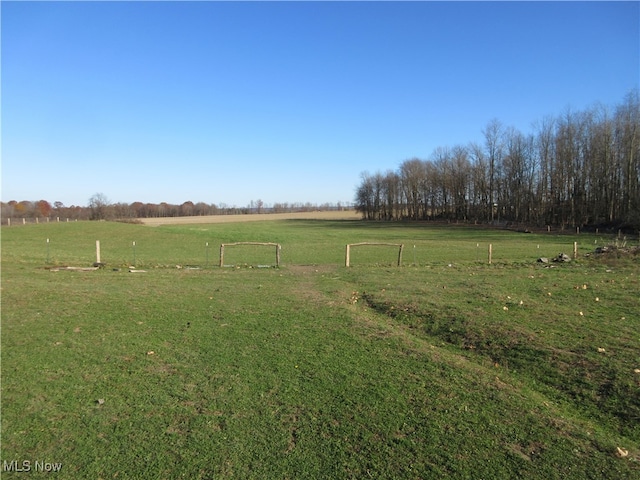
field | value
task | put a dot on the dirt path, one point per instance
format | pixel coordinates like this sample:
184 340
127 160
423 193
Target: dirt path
331 215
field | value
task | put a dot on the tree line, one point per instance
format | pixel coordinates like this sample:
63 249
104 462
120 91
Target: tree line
579 168
101 208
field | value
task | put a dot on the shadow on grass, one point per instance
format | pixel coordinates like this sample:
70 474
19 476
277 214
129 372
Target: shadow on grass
595 385
453 231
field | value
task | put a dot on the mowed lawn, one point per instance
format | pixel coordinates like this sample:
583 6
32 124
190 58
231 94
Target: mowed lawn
444 367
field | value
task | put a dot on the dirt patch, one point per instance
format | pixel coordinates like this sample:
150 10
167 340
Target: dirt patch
257 217
617 251
306 287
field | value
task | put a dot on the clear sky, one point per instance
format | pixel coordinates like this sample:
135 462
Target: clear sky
228 102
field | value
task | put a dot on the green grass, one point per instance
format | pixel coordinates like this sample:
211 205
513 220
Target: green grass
314 370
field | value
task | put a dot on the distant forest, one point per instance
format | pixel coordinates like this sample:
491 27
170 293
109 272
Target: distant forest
581 168
101 208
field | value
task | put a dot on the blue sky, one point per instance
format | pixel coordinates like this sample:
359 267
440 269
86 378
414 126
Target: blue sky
228 102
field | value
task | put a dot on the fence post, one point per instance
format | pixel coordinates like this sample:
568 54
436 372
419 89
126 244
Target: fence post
575 250
278 255
8 222
222 255
490 253
400 254
98 251
346 257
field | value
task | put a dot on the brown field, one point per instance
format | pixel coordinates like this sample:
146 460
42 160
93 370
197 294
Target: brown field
317 215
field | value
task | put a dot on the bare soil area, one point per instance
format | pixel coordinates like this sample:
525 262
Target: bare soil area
318 215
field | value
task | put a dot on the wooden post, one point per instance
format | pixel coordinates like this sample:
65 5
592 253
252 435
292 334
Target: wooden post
24 221
97 251
490 253
548 228
222 255
400 254
347 254
8 222
575 250
278 247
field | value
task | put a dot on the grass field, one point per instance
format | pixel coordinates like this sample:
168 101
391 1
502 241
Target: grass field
444 367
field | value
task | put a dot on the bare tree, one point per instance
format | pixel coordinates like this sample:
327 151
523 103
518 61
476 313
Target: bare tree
365 197
627 131
99 206
544 148
412 174
479 182
493 142
460 182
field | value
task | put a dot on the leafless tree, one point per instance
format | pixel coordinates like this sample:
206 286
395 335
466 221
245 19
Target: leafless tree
99 206
582 167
